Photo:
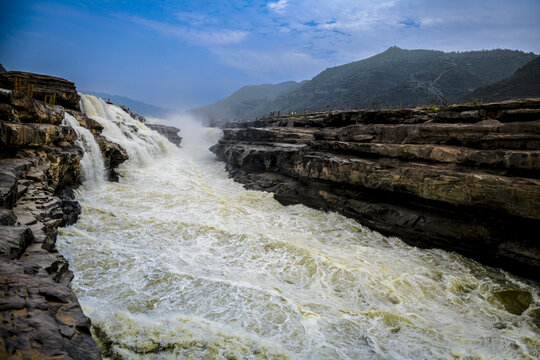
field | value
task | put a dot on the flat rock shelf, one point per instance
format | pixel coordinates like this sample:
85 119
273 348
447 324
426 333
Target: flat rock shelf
461 178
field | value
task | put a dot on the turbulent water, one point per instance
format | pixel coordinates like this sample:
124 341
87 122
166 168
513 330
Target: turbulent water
91 163
178 261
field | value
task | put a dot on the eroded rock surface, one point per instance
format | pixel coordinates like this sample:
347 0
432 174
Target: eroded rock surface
463 178
40 319
40 165
63 91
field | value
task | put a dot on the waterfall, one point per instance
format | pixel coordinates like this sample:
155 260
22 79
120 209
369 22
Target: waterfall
142 144
92 161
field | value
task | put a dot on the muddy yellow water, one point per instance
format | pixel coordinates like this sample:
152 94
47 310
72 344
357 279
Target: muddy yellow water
177 261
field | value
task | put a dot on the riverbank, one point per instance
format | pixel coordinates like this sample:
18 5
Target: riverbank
461 178
49 148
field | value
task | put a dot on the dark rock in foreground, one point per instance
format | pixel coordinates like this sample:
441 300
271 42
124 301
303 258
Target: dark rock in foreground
462 178
40 318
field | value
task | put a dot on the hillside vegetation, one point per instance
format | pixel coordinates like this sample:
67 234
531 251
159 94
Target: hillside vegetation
524 83
248 101
396 76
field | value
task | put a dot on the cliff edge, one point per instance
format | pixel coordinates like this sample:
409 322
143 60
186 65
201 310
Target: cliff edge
40 163
461 178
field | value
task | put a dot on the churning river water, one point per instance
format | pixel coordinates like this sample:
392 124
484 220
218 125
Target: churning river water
176 261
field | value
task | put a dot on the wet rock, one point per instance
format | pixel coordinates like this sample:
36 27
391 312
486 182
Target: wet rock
514 301
464 178
40 318
71 210
95 127
170 132
113 156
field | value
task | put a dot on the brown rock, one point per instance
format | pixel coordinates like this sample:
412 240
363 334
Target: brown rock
14 241
40 318
43 85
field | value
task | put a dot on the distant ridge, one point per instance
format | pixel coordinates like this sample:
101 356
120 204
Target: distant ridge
524 83
396 76
248 101
136 106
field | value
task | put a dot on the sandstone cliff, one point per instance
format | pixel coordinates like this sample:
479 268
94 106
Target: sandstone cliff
462 178
39 167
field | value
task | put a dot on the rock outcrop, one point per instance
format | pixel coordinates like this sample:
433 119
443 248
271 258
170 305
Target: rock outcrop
170 132
462 178
41 319
39 167
62 91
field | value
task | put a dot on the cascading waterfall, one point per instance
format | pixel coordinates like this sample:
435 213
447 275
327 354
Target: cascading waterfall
92 161
142 144
178 261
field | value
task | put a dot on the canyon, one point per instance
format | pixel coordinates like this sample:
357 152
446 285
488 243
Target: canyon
461 177
176 246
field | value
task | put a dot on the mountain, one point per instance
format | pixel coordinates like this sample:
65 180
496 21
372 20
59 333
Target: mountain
524 83
249 101
134 105
396 76
2 69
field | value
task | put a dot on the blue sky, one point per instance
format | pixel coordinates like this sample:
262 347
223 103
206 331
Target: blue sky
182 54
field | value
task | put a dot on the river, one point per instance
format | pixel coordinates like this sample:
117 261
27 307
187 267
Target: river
177 261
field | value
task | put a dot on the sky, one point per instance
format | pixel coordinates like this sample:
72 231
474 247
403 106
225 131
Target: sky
185 54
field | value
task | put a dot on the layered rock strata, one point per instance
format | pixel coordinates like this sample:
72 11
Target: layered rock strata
462 178
39 167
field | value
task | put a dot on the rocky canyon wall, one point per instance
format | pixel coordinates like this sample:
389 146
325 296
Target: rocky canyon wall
462 178
40 165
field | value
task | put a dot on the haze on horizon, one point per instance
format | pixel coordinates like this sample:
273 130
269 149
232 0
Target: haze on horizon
184 54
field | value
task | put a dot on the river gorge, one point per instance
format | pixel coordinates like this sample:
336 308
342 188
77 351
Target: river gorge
176 260
171 258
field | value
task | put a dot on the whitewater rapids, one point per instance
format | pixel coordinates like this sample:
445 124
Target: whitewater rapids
178 261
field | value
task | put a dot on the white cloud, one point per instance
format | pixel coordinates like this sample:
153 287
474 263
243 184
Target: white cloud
199 37
278 6
286 63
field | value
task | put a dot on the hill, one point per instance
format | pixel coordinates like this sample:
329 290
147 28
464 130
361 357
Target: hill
524 83
248 101
136 106
396 76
